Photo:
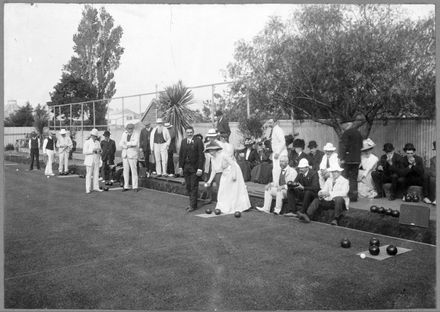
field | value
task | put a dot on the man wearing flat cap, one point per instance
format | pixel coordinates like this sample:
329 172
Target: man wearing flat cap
387 171
129 145
160 141
108 147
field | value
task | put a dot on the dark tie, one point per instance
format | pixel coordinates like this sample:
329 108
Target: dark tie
333 184
328 162
282 180
128 137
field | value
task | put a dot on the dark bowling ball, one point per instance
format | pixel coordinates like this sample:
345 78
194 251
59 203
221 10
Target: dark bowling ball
106 189
373 209
217 211
395 213
374 242
388 211
374 250
208 211
345 243
381 210
237 214
110 183
100 187
392 250
408 198
415 198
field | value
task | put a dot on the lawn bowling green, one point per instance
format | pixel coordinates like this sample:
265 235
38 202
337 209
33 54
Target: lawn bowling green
64 249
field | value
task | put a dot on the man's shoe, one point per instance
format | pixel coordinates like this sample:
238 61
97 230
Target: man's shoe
291 214
303 217
125 189
334 222
276 213
427 201
98 190
434 202
171 175
378 196
262 209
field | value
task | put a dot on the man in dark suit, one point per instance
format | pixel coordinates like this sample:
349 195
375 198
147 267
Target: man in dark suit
108 147
412 171
387 171
191 161
305 188
315 155
350 156
297 153
222 124
144 144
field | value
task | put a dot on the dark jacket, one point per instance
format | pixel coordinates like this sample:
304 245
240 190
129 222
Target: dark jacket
191 155
294 158
223 126
108 151
310 182
415 171
315 160
350 146
253 158
144 140
395 167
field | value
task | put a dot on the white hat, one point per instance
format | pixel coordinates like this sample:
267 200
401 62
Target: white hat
159 120
329 147
335 167
63 131
167 125
212 133
367 144
94 132
303 163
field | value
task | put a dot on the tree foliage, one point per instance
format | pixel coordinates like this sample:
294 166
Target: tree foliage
331 63
22 117
41 118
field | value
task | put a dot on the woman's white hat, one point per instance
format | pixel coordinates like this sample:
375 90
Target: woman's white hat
329 147
367 144
94 132
63 131
212 133
335 167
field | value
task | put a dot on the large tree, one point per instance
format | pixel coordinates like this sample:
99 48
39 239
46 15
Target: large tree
41 118
330 63
22 117
97 55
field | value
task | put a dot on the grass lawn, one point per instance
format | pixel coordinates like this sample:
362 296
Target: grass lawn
123 250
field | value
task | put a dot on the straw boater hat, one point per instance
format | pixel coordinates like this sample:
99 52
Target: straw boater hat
212 133
159 121
63 131
303 163
329 147
94 132
167 125
335 167
367 144
212 146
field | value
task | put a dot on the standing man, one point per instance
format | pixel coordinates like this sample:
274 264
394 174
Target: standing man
129 144
387 171
222 124
315 155
64 144
92 159
34 148
49 151
171 149
108 147
350 156
191 165
159 143
278 143
144 144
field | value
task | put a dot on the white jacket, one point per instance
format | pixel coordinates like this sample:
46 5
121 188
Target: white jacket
334 160
341 188
290 175
166 136
278 141
91 157
129 148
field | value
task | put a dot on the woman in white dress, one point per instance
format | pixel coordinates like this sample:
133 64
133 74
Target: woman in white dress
232 193
368 164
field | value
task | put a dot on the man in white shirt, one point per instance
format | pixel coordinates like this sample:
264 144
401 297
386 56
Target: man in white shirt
334 195
129 144
278 143
160 141
64 144
92 160
278 188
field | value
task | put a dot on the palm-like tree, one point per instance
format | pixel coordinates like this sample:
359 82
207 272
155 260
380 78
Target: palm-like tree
173 102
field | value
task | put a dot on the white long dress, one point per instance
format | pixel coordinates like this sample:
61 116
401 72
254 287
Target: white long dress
232 195
365 181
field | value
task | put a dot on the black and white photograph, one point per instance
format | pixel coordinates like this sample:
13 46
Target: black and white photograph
220 156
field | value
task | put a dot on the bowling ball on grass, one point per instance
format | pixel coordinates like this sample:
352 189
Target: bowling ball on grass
374 242
381 210
388 211
217 211
392 250
208 210
237 214
373 209
395 213
374 250
345 243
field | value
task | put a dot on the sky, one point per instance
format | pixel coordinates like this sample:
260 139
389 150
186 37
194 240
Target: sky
163 43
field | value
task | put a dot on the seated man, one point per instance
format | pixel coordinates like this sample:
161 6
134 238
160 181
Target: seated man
278 189
297 153
315 155
387 171
429 181
329 159
247 158
412 171
305 188
334 195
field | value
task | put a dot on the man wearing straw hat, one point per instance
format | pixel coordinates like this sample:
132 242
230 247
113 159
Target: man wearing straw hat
92 161
330 158
334 195
159 143
64 144
129 144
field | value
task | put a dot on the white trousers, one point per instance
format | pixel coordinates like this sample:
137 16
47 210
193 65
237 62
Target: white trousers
92 170
279 196
49 162
130 164
161 157
64 161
